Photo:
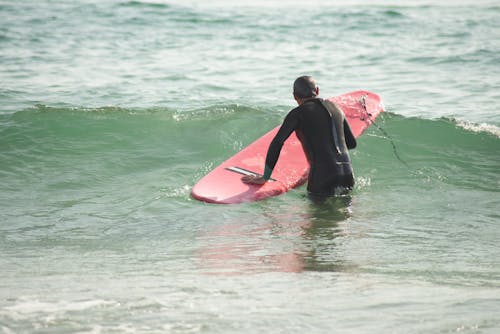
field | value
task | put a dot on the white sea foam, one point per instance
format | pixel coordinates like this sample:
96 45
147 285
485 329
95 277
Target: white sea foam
25 306
482 127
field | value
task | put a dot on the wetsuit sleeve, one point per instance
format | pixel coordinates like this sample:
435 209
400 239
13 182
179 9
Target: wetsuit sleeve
286 129
350 140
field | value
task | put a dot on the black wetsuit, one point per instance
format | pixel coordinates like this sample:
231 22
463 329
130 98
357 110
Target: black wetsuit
326 151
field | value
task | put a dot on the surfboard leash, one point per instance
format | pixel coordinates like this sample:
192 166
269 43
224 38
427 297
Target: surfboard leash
381 129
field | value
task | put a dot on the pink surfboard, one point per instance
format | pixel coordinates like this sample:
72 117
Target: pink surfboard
223 184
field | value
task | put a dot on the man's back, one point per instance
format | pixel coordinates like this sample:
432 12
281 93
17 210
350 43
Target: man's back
315 133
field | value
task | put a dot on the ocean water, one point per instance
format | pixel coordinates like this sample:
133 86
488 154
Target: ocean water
110 111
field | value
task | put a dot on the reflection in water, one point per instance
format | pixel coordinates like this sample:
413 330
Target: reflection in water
288 238
326 233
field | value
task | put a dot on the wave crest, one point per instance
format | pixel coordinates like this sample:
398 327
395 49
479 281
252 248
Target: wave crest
480 128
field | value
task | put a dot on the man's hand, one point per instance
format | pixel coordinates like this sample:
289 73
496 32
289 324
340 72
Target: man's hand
253 179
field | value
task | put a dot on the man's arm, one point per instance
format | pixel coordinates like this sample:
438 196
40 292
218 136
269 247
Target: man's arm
273 152
350 140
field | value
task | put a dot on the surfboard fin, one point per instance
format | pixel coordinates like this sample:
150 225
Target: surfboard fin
244 171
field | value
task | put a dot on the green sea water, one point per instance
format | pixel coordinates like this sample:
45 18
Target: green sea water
110 112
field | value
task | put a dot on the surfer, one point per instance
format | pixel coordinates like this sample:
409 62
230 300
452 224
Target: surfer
322 128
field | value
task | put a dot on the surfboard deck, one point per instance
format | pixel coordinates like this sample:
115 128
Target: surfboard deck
223 184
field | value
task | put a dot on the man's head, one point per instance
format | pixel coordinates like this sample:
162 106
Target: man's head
305 87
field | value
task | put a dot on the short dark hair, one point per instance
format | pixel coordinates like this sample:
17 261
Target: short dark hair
304 87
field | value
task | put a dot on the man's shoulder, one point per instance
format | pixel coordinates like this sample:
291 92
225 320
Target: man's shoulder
296 110
332 107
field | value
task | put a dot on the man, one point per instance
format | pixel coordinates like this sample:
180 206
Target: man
326 137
